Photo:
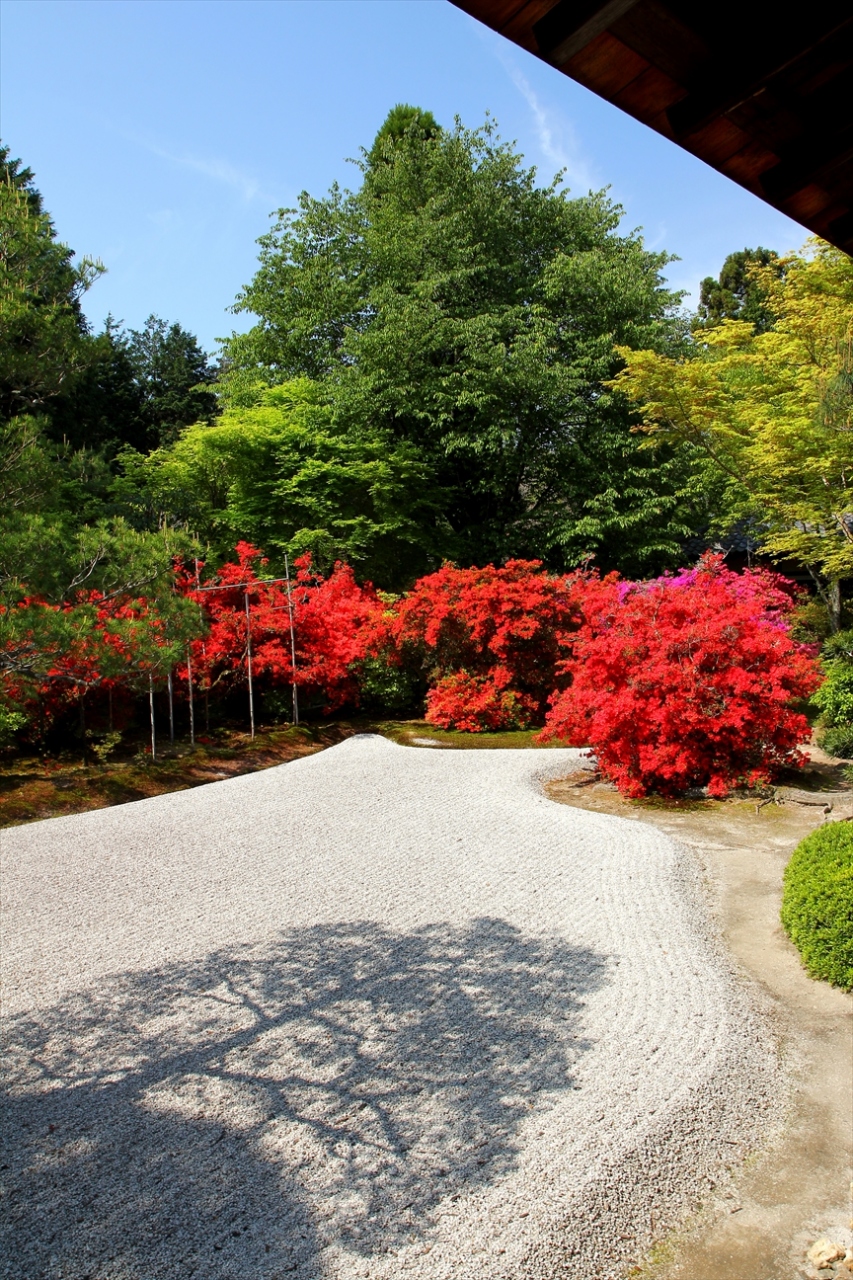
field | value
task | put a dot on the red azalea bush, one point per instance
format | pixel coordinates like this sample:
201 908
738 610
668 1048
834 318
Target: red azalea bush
332 617
687 681
92 642
477 704
488 641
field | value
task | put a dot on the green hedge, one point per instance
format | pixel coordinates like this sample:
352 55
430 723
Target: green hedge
817 903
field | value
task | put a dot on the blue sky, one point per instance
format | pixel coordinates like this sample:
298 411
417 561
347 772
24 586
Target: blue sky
164 132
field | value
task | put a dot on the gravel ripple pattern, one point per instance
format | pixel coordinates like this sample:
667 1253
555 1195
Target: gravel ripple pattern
381 1012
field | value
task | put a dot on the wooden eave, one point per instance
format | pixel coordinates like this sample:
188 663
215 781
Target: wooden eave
765 99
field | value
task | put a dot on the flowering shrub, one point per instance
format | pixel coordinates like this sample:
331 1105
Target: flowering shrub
331 618
477 704
687 681
92 641
488 641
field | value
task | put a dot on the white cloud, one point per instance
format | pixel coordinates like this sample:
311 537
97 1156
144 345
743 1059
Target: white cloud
217 169
214 167
658 241
555 134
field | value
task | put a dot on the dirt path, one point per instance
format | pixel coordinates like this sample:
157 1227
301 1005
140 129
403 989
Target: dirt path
789 1195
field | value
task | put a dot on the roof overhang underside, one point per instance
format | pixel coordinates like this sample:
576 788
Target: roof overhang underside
768 101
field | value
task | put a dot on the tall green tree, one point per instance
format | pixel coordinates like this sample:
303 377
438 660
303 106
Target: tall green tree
59 542
140 389
42 326
173 375
280 474
741 291
104 408
773 413
14 173
454 305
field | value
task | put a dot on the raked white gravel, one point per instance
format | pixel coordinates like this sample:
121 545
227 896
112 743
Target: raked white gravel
380 1012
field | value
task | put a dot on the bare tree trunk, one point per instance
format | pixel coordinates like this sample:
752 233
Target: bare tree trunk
834 593
151 707
292 641
249 666
171 709
830 594
190 689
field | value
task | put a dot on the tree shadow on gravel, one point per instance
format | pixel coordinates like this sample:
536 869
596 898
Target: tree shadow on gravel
242 1114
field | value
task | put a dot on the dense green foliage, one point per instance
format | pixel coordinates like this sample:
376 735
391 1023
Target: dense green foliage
834 698
63 541
454 310
41 320
141 388
772 411
738 292
817 905
282 474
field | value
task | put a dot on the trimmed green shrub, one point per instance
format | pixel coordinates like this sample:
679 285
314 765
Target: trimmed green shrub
817 903
838 741
834 698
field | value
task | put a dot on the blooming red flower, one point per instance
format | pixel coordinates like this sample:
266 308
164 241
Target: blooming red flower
490 641
687 681
331 618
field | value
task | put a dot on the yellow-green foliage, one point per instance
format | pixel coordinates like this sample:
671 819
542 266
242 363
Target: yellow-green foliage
773 409
817 904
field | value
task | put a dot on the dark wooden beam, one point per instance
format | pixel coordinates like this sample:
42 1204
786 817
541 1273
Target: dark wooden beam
753 98
808 163
841 232
571 24
726 88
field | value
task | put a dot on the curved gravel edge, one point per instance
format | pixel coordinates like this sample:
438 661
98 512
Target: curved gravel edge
736 1110
581 1200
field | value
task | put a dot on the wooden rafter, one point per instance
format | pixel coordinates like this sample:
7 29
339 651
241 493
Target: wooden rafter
765 101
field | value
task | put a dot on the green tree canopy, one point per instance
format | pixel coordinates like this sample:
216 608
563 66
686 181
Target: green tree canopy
13 173
741 291
141 388
173 375
59 541
282 475
403 123
773 411
454 306
42 324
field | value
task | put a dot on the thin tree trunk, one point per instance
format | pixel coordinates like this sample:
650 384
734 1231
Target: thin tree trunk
207 686
249 666
834 593
190 690
151 707
292 641
830 594
171 709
